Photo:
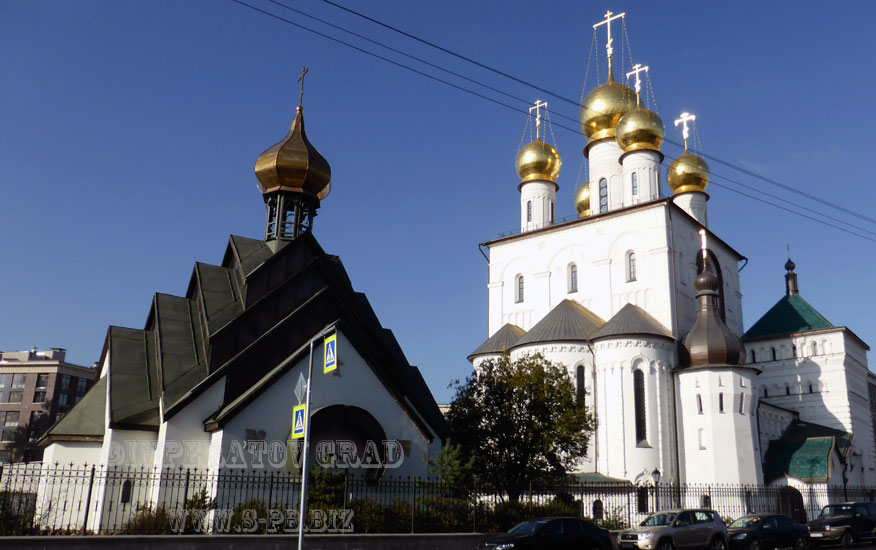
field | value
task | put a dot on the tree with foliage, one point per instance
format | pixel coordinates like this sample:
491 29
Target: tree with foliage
520 421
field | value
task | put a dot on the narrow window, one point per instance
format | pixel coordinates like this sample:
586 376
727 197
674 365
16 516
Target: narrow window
794 350
639 399
766 392
126 492
753 356
741 403
579 376
699 404
519 289
810 388
573 278
598 510
814 348
552 212
635 184
528 211
787 389
642 500
603 195
721 402
631 267
773 351
705 501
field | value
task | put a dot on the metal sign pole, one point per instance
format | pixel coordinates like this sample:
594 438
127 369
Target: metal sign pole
302 514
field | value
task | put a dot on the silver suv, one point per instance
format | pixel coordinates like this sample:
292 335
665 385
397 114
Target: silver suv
676 529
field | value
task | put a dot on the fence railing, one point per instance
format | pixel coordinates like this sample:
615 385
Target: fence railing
37 499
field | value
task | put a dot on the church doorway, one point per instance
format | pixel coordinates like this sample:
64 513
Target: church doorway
791 504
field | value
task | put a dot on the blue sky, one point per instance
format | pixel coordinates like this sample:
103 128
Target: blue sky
129 131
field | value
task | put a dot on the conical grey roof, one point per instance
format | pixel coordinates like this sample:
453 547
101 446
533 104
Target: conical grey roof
568 321
500 342
631 320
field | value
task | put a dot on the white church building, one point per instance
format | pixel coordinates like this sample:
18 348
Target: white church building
643 304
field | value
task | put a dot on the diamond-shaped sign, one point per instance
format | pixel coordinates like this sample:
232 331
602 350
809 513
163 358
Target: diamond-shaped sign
300 388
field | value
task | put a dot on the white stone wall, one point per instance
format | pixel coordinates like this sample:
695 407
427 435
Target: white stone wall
543 197
604 161
645 165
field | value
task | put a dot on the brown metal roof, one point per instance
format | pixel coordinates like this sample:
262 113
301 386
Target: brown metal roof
631 320
500 342
569 321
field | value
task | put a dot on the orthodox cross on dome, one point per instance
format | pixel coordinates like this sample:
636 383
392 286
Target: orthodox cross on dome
301 80
607 23
685 131
637 68
539 105
703 245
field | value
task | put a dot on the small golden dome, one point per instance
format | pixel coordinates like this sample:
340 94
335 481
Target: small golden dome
538 161
688 173
582 200
294 165
603 108
640 129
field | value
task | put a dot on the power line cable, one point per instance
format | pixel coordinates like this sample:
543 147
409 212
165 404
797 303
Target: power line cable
492 100
572 102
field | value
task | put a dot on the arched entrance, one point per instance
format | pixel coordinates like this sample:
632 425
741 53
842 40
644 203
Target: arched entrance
791 504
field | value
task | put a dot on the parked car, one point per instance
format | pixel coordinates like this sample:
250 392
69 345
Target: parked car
847 523
767 531
550 534
676 529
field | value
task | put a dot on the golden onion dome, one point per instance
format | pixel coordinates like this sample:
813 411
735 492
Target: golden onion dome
294 165
582 200
538 161
640 129
603 108
688 173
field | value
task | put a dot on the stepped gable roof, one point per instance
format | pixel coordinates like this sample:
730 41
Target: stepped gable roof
790 314
631 320
500 342
569 321
803 451
249 320
85 421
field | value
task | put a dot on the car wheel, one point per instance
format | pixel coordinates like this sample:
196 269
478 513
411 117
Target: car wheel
848 539
754 545
665 544
799 544
718 544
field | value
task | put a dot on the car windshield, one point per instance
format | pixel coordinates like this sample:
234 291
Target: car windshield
744 523
836 510
658 519
527 527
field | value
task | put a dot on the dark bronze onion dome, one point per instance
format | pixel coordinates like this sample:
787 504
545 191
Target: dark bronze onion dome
710 343
791 288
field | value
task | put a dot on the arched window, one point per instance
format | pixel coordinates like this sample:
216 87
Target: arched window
528 211
573 278
810 388
753 356
814 348
705 501
766 392
552 213
741 403
699 404
721 402
773 351
642 500
639 400
598 510
631 266
579 383
519 297
126 492
603 195
787 389
635 184
794 350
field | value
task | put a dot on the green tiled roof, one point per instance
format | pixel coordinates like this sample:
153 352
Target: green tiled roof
790 314
804 451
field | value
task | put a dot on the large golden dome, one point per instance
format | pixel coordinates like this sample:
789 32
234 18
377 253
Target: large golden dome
640 129
603 108
688 173
538 161
294 165
582 199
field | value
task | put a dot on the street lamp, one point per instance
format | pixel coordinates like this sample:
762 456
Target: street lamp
655 475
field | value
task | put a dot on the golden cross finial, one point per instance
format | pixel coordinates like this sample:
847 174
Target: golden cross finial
301 80
539 104
685 131
607 23
637 68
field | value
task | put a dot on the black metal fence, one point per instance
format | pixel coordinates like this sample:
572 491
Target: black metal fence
36 499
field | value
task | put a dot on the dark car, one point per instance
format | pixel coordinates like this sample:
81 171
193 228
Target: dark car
551 533
767 531
847 523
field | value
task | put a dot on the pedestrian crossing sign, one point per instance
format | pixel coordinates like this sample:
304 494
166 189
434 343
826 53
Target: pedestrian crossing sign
299 420
330 355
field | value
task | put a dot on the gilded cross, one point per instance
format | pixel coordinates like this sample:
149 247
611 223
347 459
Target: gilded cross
685 131
637 68
607 23
539 104
301 80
